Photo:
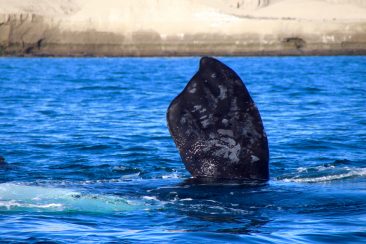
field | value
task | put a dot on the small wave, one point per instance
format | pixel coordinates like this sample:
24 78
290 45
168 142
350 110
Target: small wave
94 147
171 176
102 88
71 183
324 173
150 198
10 205
16 197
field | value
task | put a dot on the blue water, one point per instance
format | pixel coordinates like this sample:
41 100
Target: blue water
90 159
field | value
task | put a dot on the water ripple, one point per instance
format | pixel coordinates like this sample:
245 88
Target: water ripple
89 156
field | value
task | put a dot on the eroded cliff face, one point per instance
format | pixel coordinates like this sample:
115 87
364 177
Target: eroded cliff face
158 28
361 3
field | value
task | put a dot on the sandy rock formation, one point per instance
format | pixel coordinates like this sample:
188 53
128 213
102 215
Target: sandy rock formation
182 27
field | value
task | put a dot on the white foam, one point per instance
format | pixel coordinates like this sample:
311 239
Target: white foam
186 199
36 198
171 176
355 172
149 198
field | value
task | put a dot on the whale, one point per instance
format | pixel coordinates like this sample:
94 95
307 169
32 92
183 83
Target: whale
217 127
2 160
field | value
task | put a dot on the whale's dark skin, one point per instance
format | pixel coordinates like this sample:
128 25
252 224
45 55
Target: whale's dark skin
217 127
2 160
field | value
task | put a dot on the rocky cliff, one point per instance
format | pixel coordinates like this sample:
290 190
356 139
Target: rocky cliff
181 27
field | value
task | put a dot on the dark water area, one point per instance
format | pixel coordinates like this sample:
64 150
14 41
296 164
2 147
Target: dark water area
90 159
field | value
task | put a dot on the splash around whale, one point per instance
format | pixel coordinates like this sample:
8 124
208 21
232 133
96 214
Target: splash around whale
217 127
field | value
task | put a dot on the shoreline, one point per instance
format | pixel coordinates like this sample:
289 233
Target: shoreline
248 55
313 53
80 28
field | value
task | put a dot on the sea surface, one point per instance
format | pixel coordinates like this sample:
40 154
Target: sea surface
90 159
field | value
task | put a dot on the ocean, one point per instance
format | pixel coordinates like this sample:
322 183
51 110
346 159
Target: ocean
90 159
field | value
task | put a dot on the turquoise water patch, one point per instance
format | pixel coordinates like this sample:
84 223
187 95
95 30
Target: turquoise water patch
16 197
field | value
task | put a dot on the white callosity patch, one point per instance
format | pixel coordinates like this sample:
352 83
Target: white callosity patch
193 89
223 92
234 109
205 123
230 152
189 122
196 108
206 120
183 120
220 148
208 168
224 147
248 130
211 97
254 158
195 149
226 132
